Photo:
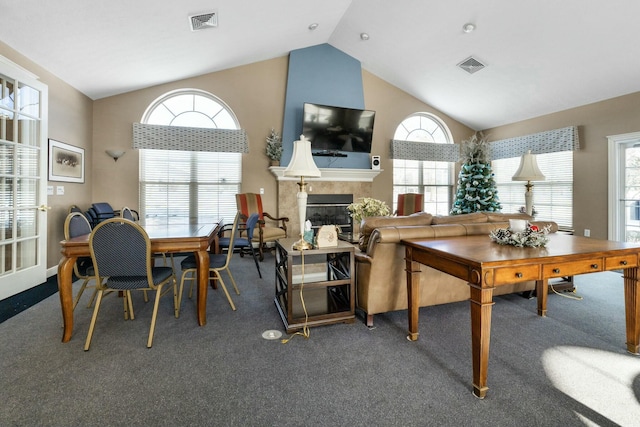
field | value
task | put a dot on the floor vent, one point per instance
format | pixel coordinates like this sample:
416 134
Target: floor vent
471 65
203 21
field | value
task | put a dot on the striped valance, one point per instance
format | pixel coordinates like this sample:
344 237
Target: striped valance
189 138
551 141
411 150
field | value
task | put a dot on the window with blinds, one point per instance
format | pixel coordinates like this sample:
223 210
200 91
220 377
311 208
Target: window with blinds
178 187
552 198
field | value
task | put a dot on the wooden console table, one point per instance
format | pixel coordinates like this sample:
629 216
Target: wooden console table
486 265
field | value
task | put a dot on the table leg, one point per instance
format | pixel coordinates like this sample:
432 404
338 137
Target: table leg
202 262
631 306
65 289
481 304
542 291
413 295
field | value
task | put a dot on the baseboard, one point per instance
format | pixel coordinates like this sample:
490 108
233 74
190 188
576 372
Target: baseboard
17 303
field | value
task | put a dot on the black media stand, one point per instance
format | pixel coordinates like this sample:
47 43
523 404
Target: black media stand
327 153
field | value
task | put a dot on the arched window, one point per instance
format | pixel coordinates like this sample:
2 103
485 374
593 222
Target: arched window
430 177
178 186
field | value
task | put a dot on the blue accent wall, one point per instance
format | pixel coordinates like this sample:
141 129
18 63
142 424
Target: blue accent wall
325 75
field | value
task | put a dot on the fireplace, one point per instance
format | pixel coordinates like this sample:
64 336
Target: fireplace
330 209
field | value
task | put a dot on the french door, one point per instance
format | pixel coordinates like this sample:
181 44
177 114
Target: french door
23 179
624 187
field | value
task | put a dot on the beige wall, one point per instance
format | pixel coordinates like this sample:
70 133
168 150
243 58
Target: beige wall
70 121
595 122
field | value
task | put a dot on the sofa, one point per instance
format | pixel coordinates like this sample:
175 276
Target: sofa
381 284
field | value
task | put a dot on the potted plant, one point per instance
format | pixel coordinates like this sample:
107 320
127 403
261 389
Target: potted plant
368 207
274 147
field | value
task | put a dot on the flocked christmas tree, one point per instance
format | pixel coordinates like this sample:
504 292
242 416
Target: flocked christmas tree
477 190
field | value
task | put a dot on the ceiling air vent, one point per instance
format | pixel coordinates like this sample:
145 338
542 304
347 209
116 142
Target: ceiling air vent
471 65
204 21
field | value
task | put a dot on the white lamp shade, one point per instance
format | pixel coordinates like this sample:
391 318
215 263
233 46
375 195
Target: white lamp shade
528 170
302 163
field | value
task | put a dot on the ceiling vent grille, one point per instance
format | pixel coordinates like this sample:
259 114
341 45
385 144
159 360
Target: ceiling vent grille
471 65
204 21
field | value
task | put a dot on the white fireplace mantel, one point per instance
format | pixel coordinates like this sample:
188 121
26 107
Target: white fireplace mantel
331 174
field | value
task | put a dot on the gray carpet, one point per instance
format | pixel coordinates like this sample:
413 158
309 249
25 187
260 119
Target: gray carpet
568 369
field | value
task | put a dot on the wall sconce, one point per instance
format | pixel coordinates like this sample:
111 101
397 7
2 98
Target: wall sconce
115 154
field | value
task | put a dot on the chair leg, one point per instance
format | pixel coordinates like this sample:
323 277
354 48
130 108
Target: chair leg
233 282
224 288
82 288
153 316
93 298
176 301
255 259
129 301
93 321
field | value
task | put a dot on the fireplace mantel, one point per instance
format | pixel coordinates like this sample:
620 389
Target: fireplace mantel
330 174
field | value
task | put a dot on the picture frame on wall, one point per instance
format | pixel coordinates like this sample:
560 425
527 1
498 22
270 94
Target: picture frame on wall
66 162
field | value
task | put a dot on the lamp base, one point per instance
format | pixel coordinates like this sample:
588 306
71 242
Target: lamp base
302 245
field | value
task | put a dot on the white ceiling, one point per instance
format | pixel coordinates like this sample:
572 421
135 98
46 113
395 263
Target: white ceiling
542 56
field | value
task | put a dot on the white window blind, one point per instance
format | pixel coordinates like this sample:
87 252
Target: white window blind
552 198
182 186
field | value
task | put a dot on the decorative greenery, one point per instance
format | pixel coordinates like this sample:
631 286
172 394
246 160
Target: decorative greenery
477 190
274 146
368 207
523 210
531 237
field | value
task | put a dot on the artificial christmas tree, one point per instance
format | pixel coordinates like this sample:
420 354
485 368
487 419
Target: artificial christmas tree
477 190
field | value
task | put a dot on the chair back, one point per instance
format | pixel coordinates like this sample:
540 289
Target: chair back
251 225
232 239
127 214
249 203
410 203
120 247
76 224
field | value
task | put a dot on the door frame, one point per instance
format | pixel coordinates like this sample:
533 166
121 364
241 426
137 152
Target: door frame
615 214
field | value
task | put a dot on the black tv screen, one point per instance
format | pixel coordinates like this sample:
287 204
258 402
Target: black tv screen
334 129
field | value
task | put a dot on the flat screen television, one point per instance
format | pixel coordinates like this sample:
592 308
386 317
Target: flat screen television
335 130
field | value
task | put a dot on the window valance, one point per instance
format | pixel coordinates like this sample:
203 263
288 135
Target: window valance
189 138
551 141
411 150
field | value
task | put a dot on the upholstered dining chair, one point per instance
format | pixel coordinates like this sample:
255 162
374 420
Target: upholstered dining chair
76 224
126 213
217 264
243 244
121 252
250 203
409 203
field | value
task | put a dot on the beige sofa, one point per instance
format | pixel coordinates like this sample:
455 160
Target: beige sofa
380 266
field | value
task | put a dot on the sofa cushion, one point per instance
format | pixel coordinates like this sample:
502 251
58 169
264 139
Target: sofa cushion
460 219
371 223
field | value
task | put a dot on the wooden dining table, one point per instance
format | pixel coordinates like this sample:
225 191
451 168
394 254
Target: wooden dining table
172 238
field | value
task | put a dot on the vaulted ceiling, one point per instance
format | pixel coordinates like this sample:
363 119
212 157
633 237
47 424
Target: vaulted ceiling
540 56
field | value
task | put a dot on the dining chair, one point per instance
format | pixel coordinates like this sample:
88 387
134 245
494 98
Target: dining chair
217 264
76 224
243 243
276 228
409 203
121 252
126 213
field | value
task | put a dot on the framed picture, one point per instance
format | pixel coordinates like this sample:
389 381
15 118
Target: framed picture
66 162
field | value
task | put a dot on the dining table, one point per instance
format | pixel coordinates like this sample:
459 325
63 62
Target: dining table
199 238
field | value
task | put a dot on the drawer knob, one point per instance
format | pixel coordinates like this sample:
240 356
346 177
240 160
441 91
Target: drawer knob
556 270
623 262
594 266
519 275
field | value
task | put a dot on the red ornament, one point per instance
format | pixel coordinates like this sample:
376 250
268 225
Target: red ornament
534 228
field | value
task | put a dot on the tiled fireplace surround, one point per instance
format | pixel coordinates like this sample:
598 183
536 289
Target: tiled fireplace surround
333 181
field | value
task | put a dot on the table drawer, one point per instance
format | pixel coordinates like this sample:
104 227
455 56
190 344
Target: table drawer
516 274
624 261
572 268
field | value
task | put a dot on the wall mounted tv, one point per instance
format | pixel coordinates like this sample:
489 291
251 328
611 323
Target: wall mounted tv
336 130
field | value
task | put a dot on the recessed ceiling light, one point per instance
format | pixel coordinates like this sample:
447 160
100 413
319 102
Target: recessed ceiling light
364 36
468 27
313 26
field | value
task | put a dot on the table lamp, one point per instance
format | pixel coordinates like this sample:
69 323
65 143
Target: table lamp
302 165
528 171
